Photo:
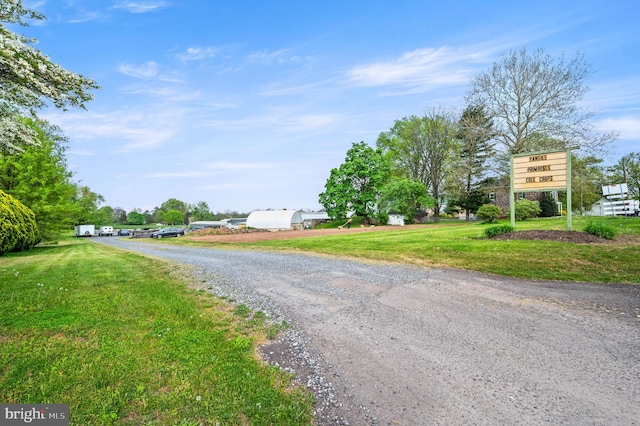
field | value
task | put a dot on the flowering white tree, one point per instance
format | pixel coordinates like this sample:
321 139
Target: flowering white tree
29 80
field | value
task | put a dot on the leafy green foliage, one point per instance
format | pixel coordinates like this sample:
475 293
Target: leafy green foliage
173 217
423 149
135 218
548 206
600 230
492 231
489 212
18 229
526 209
628 170
200 211
404 196
355 185
40 179
88 203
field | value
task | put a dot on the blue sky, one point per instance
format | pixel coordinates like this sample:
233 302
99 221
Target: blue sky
249 104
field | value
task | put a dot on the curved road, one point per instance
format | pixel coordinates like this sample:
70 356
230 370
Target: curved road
417 346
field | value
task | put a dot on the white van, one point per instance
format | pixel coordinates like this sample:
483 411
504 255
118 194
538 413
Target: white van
105 230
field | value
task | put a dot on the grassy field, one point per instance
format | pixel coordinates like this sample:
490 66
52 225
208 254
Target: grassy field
461 245
123 339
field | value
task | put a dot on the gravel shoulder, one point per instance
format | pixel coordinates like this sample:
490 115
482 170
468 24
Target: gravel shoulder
383 344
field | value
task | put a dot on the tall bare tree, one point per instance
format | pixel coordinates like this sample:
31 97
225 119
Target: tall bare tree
531 94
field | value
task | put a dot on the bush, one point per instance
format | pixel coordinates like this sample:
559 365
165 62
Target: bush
18 228
548 206
489 213
492 231
600 230
526 209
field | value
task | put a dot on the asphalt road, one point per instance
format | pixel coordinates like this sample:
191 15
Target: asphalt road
394 345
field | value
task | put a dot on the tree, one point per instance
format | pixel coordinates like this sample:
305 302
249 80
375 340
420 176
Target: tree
470 202
534 93
174 204
200 211
119 215
627 170
548 206
587 179
88 203
354 186
28 79
40 179
404 196
475 131
135 218
422 148
173 217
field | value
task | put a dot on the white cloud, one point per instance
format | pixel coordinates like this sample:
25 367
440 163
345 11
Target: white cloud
283 122
198 53
140 6
422 68
628 126
144 71
281 56
126 131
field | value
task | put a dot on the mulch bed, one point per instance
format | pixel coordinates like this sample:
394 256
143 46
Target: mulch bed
562 236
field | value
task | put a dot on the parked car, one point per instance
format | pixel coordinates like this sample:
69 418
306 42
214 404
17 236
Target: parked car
167 232
124 232
106 231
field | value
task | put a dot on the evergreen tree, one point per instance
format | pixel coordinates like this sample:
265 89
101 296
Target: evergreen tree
475 131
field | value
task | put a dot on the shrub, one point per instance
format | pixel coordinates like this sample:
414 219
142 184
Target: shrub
18 228
548 206
492 231
600 230
526 209
489 213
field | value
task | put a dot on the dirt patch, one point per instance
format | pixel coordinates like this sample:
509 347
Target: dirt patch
225 235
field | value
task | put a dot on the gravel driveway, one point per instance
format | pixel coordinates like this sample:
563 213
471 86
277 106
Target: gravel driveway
398 345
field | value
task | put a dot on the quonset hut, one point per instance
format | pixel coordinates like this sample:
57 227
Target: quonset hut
275 220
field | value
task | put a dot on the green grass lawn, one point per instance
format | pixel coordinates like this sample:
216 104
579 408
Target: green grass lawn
123 339
461 245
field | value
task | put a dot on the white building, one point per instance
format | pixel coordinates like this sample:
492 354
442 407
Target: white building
275 220
312 219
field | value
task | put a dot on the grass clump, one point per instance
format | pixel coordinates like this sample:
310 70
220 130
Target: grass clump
492 231
123 339
600 230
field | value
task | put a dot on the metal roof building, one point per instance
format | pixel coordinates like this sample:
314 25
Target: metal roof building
275 220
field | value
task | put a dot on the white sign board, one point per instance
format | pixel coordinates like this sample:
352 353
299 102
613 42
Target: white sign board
540 171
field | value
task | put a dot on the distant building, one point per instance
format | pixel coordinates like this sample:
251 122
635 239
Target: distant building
313 219
395 219
275 220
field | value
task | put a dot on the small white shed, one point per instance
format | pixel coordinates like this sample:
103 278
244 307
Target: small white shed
275 220
396 219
